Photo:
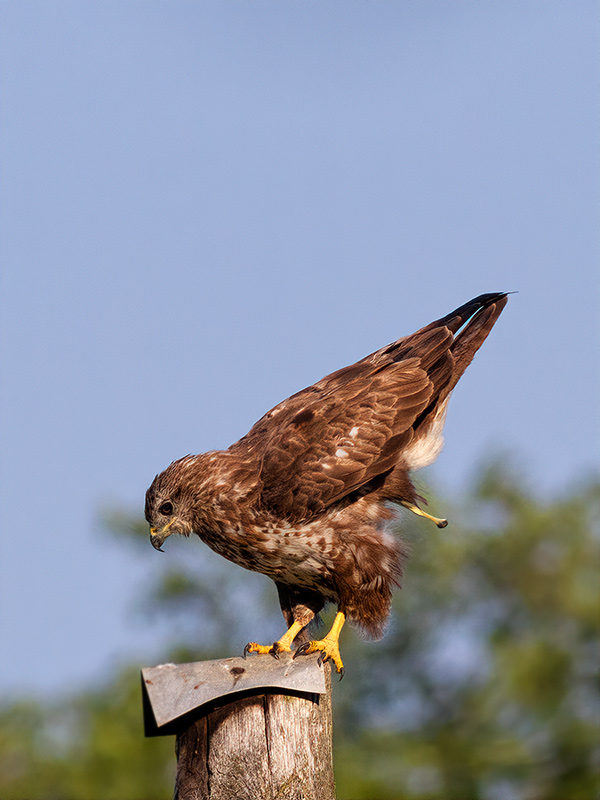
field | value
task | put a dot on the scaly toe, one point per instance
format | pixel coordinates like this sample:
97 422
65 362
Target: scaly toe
278 648
266 649
253 647
328 651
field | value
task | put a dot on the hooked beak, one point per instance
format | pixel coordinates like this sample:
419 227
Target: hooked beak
157 537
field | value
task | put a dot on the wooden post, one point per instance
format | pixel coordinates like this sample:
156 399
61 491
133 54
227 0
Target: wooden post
264 734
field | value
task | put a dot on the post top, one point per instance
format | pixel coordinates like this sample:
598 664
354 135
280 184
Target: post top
172 690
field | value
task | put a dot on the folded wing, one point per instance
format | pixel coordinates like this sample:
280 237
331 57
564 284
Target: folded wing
359 423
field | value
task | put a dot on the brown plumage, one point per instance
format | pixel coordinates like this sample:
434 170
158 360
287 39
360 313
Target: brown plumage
303 496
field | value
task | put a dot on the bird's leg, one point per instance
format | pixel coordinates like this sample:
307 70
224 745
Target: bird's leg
329 647
283 645
441 523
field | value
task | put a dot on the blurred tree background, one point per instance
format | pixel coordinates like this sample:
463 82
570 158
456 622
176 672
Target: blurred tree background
485 685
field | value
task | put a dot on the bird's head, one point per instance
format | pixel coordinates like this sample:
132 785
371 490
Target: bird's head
170 502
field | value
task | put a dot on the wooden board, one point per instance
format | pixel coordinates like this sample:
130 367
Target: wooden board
173 690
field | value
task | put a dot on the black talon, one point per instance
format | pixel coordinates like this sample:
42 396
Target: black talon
246 650
275 651
342 673
301 650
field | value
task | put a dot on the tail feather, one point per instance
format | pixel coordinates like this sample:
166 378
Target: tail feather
446 346
468 341
462 333
457 318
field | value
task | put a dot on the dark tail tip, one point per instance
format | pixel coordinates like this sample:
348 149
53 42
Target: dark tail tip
461 315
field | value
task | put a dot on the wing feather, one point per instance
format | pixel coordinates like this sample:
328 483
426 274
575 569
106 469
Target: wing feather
329 440
360 422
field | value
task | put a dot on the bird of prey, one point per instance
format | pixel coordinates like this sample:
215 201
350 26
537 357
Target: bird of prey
305 496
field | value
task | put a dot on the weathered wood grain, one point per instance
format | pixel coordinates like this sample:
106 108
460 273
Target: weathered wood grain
270 746
299 739
192 767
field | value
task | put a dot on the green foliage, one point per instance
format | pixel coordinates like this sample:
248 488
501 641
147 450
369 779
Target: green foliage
484 687
89 746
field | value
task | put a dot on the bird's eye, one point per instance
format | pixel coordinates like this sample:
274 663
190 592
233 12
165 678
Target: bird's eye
166 509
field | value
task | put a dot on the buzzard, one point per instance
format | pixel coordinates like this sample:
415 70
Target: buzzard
305 496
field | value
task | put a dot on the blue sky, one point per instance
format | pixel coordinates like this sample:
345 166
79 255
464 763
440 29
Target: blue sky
208 206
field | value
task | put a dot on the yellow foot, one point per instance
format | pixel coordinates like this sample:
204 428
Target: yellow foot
328 647
329 652
263 649
282 645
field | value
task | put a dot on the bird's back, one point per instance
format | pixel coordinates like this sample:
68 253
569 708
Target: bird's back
348 432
